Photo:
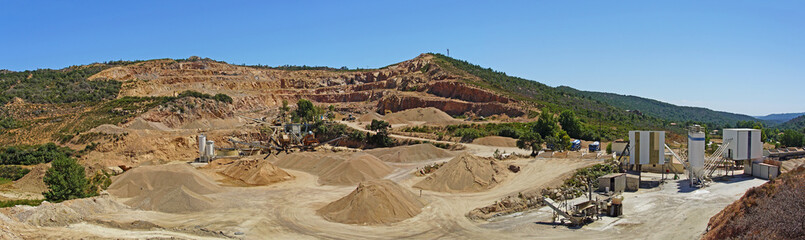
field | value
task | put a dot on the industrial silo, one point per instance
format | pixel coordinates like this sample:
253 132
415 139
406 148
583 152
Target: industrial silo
647 147
210 148
696 150
202 141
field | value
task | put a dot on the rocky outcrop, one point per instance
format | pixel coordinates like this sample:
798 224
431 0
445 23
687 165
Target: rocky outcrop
188 109
418 82
397 103
459 90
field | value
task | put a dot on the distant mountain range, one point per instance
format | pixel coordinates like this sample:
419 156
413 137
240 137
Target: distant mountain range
796 123
780 117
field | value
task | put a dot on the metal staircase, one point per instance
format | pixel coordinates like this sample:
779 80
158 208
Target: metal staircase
715 160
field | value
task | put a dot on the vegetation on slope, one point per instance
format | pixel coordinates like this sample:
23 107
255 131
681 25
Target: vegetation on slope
780 117
32 154
58 86
605 119
796 123
663 110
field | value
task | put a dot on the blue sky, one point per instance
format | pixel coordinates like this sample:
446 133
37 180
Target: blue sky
736 56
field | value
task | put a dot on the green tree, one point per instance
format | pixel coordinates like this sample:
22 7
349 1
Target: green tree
306 111
379 125
530 141
546 124
65 180
381 139
792 138
570 124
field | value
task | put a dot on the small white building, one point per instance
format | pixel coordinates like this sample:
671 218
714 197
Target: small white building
745 144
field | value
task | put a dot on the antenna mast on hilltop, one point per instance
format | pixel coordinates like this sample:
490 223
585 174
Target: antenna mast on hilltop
448 52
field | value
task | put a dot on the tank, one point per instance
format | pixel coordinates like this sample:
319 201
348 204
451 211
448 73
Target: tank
202 141
210 148
696 149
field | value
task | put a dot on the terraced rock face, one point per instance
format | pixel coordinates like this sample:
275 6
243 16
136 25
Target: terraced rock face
414 83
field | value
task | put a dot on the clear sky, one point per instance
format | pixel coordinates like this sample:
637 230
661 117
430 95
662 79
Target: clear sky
736 56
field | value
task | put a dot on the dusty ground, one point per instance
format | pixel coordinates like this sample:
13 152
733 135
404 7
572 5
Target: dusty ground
287 210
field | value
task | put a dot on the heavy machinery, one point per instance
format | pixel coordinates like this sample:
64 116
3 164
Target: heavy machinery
575 145
285 137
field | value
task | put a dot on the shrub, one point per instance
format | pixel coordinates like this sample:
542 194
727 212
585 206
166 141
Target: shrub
222 98
29 202
12 172
468 134
32 154
508 132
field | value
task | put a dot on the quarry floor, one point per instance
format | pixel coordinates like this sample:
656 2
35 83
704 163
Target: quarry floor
286 210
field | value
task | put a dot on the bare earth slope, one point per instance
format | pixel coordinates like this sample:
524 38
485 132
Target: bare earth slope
774 210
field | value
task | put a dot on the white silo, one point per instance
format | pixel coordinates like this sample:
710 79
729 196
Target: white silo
210 148
696 150
202 141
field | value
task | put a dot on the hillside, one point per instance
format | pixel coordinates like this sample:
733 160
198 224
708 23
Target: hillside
796 123
47 105
662 110
779 117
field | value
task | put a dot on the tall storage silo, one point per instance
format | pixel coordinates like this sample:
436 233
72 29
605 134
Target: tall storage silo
202 141
696 150
210 148
647 147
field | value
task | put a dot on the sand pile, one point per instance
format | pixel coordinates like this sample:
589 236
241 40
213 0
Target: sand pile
144 179
65 213
166 188
337 168
411 153
256 171
773 210
465 173
374 202
108 129
496 141
171 200
140 124
367 118
429 115
33 181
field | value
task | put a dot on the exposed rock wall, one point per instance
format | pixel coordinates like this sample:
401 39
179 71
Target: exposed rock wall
451 106
458 90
